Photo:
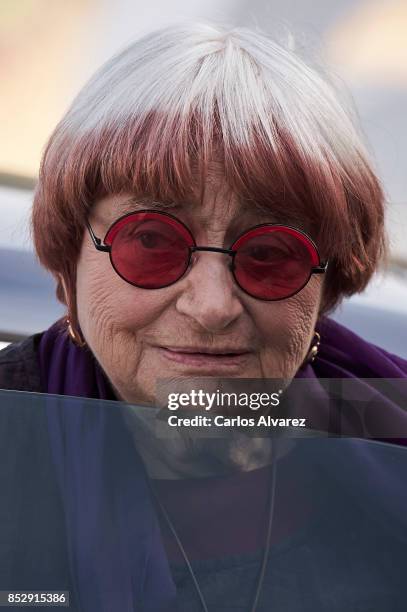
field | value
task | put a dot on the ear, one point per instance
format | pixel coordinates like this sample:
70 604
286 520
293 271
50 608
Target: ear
64 287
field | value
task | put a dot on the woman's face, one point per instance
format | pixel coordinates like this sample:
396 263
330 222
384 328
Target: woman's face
190 328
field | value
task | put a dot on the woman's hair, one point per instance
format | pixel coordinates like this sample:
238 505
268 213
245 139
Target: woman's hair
152 118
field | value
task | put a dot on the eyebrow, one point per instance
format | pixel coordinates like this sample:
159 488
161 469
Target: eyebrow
136 203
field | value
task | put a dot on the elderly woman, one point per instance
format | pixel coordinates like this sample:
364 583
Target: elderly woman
203 204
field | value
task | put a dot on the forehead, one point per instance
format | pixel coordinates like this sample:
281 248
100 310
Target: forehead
209 203
215 212
215 200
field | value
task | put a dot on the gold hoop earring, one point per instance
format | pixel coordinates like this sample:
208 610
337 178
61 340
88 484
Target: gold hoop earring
313 352
75 335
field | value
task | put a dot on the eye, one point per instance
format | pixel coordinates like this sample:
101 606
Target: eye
266 253
151 240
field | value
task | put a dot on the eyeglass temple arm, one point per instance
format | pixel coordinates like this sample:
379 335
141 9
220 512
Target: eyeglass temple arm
97 241
320 269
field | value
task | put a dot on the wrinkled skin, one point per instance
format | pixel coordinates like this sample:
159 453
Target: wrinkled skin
124 325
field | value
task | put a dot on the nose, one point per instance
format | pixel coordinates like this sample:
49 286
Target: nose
208 293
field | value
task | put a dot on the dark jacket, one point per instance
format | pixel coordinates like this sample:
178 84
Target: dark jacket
19 365
33 548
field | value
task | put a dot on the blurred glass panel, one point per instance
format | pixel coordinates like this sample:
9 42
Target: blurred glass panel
82 512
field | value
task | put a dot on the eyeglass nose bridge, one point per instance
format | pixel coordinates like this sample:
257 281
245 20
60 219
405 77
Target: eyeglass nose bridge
212 249
230 252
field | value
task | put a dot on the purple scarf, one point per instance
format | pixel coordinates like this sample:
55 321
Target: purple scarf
116 553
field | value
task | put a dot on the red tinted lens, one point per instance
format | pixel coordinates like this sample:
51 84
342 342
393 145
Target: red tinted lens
149 250
273 263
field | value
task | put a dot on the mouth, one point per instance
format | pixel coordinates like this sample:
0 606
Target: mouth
204 358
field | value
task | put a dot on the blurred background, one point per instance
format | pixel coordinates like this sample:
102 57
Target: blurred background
49 48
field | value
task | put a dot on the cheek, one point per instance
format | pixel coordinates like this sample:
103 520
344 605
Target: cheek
287 329
111 312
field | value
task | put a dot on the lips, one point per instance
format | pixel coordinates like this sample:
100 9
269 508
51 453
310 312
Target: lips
206 358
206 351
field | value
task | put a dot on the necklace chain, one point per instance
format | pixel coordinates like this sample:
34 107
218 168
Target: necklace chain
266 548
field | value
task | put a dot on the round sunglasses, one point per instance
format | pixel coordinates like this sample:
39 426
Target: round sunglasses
153 250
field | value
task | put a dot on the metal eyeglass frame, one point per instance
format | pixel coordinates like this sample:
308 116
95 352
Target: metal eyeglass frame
100 246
